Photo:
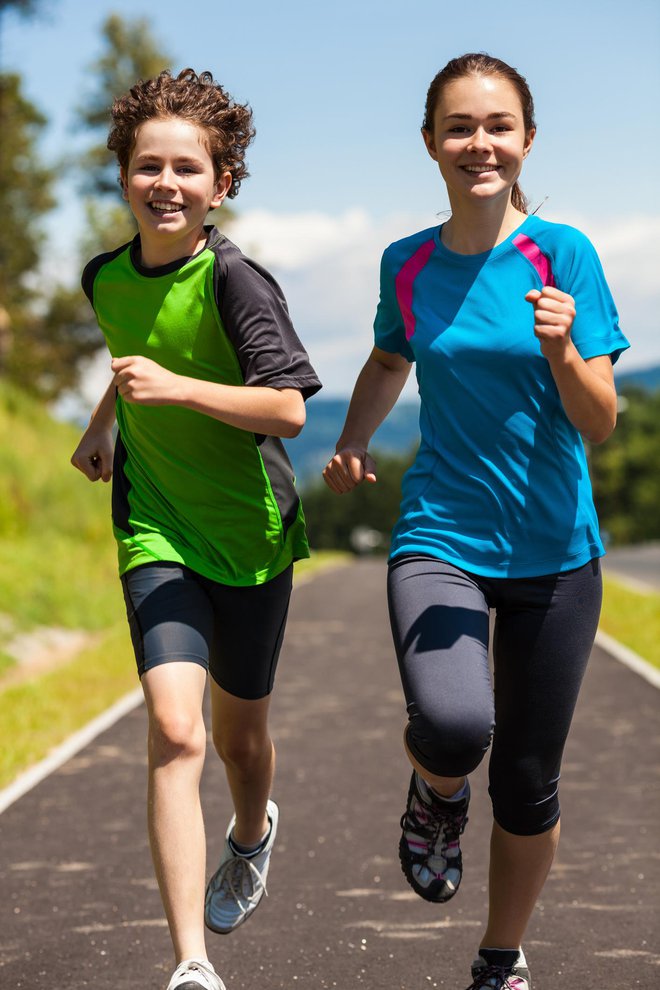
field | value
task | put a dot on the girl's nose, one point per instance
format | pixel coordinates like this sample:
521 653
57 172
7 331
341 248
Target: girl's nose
480 140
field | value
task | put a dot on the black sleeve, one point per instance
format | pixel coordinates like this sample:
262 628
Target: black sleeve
254 314
93 267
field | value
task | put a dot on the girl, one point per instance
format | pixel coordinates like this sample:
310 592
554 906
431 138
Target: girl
513 331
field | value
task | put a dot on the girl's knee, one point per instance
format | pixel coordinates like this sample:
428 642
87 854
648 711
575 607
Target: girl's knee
449 747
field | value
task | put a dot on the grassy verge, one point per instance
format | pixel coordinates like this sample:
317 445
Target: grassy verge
633 619
38 714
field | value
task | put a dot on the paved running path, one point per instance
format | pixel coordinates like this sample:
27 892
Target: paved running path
79 908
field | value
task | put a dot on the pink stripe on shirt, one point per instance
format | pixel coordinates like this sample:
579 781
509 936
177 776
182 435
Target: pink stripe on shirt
405 280
533 253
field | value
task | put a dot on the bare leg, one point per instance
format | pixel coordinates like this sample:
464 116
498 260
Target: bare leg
519 866
242 740
177 743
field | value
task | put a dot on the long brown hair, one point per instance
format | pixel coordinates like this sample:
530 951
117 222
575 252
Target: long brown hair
480 64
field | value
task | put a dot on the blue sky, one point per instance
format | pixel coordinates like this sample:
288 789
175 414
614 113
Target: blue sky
338 166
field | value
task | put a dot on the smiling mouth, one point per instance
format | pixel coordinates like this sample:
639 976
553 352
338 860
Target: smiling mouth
480 169
165 208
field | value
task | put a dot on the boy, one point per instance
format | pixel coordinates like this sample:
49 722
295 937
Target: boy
208 375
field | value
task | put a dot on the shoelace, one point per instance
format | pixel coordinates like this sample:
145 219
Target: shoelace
504 976
190 966
236 871
451 824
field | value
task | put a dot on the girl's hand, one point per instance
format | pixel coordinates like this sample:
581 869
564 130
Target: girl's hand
138 379
348 468
554 312
93 455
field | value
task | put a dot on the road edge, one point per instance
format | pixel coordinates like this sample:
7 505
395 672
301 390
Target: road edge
66 750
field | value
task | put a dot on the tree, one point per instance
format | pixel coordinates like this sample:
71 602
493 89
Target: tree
25 196
625 474
131 53
332 519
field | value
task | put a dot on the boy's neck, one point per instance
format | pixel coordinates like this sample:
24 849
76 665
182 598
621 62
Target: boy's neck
154 253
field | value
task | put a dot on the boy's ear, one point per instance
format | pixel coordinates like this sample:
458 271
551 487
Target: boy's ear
124 183
222 187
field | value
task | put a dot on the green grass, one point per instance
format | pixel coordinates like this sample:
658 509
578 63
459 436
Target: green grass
57 555
633 619
41 712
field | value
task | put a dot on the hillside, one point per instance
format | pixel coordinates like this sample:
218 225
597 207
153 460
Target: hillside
311 451
57 555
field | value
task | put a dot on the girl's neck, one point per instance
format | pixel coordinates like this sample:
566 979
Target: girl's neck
475 230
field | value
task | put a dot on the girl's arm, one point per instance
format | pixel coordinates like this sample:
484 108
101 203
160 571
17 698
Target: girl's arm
93 455
257 409
377 388
586 388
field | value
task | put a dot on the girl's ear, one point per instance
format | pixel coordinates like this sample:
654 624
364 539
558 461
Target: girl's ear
529 141
222 187
430 144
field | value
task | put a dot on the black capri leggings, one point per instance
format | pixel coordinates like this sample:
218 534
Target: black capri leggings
544 631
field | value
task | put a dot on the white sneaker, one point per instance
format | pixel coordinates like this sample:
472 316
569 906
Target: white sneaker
195 974
237 886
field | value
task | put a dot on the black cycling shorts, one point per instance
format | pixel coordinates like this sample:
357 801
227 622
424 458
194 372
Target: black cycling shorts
234 633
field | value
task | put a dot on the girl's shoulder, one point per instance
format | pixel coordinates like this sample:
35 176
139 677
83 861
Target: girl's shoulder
406 247
557 236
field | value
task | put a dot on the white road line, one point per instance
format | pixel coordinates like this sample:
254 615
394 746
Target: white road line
26 781
629 658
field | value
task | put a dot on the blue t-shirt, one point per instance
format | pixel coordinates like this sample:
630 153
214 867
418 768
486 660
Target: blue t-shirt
500 485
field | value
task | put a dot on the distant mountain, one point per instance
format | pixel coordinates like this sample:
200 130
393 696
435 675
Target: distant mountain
311 451
646 378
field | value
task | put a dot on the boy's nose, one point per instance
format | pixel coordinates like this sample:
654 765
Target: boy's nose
165 179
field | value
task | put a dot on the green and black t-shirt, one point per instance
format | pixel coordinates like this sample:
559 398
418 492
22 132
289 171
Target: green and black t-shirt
188 488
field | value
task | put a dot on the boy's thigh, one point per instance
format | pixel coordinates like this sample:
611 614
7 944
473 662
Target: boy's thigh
170 616
249 624
235 633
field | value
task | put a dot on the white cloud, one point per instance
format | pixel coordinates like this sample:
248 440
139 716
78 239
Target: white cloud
328 267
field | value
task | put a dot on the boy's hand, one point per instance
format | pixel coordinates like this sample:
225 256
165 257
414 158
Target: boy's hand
138 379
554 312
93 455
348 468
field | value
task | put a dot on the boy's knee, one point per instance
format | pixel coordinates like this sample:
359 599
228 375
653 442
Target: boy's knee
449 747
174 735
241 750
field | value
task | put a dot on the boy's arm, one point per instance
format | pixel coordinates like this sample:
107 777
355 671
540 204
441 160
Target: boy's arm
278 412
93 455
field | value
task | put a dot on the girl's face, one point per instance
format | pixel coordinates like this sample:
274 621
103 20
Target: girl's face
478 138
170 185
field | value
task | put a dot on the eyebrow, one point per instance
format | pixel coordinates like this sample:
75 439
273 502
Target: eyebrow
146 156
498 115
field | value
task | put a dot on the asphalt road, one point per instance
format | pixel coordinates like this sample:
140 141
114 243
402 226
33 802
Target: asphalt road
79 907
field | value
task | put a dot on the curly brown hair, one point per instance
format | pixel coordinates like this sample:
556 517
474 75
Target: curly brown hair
198 99
481 64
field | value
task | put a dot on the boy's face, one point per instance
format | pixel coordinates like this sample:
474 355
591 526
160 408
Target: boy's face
170 186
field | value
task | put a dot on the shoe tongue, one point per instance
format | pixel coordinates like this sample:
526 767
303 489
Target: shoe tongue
506 958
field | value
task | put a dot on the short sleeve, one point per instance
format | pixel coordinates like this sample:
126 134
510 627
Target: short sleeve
255 316
389 329
596 326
